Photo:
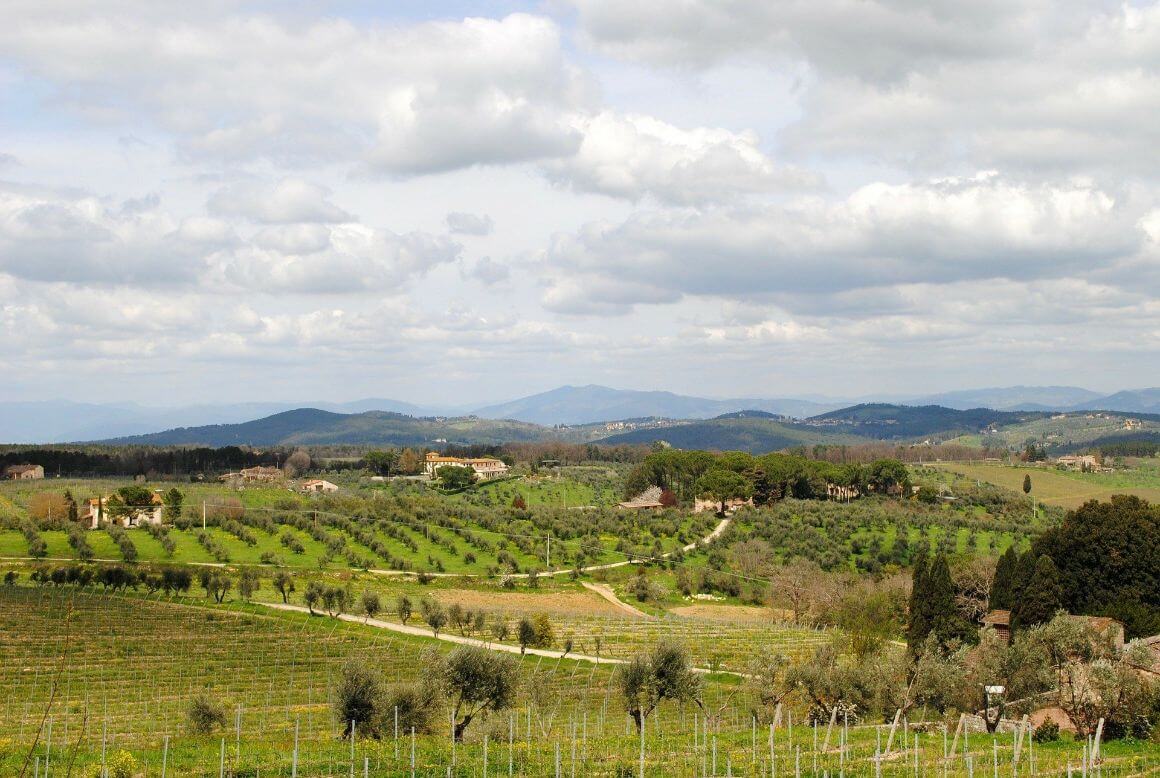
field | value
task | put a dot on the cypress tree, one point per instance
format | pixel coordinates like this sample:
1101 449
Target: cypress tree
1021 578
918 626
945 620
1041 598
1001 585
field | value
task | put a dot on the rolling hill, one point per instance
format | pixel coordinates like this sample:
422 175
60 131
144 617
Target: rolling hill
754 431
881 421
311 426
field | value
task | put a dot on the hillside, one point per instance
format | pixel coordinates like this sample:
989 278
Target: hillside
587 404
881 421
754 432
310 426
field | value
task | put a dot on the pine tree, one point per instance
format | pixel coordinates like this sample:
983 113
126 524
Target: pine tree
1041 598
918 626
1001 585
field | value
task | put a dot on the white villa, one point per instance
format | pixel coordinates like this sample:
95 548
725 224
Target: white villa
99 511
485 468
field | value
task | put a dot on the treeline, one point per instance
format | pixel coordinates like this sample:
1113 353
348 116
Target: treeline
104 461
1130 448
766 478
866 453
1106 556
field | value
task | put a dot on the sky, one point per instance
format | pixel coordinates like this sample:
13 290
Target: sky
460 203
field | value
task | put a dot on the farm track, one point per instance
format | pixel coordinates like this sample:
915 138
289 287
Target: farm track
406 629
605 591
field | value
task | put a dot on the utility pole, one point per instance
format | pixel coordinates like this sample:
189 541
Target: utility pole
548 557
203 514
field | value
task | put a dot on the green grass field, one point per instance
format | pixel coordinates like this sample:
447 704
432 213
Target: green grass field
1065 489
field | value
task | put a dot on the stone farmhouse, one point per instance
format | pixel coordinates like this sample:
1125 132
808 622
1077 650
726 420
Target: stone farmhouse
485 468
23 472
98 511
254 475
317 486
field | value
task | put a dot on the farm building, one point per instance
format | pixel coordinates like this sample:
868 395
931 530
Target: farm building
1079 462
701 506
485 467
648 500
1000 621
317 486
98 511
23 472
254 475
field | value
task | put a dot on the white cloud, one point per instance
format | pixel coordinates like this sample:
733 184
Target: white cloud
289 200
487 271
631 156
882 235
51 235
55 236
469 223
422 98
876 39
352 258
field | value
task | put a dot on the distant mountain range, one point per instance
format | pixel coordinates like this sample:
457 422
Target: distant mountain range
61 421
589 404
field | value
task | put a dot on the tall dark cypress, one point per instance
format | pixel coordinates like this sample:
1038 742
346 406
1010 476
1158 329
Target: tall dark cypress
1041 598
1001 586
918 624
945 620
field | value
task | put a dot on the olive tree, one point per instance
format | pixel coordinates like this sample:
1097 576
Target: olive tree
476 681
663 674
370 605
284 582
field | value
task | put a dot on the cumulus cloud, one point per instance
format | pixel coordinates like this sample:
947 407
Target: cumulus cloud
469 224
881 235
352 258
289 200
422 98
53 236
631 156
487 271
875 39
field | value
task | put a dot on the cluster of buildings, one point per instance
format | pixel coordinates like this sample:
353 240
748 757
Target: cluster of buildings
1088 463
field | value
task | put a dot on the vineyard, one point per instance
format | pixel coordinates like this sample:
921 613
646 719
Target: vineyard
94 679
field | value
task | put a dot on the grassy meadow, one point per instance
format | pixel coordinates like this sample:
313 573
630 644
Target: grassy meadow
1061 488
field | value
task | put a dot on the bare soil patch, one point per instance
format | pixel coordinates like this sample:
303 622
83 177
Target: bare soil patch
707 612
559 603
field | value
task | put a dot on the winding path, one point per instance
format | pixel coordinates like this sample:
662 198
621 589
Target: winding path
605 591
407 629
